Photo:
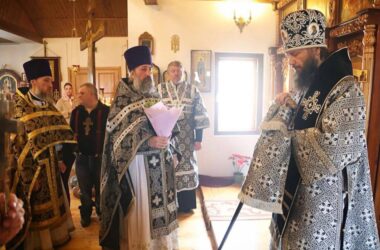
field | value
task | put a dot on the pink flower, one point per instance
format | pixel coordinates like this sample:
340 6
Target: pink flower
239 161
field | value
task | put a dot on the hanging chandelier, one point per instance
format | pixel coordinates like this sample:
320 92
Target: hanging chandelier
74 33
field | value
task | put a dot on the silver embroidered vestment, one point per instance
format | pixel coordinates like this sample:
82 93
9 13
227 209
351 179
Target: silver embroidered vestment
127 135
326 155
193 117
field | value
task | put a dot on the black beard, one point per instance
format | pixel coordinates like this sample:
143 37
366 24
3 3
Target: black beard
306 76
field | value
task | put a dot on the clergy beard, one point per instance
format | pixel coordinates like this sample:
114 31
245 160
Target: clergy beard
305 77
40 94
144 86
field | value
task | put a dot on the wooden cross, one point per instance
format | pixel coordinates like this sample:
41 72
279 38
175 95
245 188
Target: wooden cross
87 125
45 48
88 42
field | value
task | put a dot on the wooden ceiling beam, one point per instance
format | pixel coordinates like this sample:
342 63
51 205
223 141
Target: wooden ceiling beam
151 2
17 30
22 25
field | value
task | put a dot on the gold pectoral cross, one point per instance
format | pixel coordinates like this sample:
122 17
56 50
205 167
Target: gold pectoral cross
310 105
87 125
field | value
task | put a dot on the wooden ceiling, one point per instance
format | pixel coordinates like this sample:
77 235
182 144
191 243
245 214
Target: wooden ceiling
37 19
151 2
257 1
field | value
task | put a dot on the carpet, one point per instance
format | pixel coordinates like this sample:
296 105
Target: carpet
222 210
251 229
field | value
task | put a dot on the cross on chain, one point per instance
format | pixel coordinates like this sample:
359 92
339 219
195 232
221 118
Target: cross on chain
87 125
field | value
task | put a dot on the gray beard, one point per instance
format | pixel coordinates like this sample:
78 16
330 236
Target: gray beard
145 87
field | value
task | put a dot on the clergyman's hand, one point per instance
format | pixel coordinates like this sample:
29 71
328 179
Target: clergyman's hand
282 98
158 142
62 167
12 222
285 98
197 145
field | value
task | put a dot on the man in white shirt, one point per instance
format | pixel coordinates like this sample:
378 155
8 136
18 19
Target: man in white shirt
65 105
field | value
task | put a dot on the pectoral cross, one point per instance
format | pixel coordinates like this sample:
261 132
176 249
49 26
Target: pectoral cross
87 125
88 42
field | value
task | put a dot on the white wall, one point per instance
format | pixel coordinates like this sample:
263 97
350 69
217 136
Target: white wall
109 53
205 25
202 25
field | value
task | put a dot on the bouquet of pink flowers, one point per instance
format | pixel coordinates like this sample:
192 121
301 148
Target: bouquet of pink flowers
162 118
239 162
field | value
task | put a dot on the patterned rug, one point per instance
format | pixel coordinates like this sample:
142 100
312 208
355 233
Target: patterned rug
250 231
223 210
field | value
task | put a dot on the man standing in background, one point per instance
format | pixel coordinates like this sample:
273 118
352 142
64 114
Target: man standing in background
176 93
88 122
65 105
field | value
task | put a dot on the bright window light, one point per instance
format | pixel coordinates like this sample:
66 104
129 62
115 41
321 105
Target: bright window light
239 93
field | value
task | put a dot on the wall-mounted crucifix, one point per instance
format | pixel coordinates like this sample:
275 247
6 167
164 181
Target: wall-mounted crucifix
88 42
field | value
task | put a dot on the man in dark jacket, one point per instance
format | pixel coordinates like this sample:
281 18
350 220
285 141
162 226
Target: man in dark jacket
88 122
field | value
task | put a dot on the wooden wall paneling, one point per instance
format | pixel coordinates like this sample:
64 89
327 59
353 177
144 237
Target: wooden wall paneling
373 134
375 186
366 25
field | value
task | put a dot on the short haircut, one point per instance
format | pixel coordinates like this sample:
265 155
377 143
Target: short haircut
91 87
175 64
67 84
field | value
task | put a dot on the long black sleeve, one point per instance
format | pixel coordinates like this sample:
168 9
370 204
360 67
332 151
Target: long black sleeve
198 135
68 156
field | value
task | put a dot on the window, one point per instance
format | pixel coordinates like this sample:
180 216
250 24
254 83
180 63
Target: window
239 91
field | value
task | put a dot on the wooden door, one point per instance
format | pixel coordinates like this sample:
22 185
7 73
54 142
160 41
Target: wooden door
107 79
77 79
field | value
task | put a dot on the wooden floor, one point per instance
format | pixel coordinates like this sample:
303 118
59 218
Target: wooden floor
192 230
82 238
